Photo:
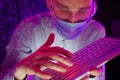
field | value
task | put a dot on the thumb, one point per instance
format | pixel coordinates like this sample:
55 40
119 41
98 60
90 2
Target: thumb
85 77
49 41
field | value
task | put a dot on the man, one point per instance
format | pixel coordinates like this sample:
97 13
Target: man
71 23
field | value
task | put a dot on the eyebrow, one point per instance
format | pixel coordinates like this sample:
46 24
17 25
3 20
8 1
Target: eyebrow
65 6
61 5
86 7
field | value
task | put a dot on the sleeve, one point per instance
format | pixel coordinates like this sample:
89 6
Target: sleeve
100 33
18 48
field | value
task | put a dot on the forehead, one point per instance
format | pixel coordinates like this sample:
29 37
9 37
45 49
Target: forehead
75 3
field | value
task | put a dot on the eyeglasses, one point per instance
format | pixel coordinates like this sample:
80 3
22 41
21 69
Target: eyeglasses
65 11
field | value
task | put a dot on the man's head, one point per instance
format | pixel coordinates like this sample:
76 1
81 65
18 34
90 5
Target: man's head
72 10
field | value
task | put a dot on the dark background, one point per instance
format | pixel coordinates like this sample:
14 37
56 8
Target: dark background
14 11
108 14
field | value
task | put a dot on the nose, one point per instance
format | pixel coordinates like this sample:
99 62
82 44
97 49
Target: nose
73 17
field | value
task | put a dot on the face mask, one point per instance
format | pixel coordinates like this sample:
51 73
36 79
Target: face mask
70 27
69 30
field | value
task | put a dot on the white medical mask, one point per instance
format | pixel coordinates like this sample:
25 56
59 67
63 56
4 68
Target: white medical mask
69 30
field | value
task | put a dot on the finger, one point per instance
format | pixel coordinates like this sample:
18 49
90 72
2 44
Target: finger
53 66
36 71
57 50
61 59
33 70
85 78
49 41
43 64
95 71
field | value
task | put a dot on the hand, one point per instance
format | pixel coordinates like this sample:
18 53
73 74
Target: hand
94 72
32 64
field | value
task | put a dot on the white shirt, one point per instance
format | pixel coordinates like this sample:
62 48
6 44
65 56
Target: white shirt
34 31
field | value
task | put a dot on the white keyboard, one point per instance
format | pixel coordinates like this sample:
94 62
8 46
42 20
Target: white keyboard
93 55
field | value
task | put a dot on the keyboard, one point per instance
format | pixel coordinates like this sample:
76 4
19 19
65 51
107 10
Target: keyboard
94 55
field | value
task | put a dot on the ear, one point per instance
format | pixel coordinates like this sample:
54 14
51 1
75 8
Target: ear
49 3
94 9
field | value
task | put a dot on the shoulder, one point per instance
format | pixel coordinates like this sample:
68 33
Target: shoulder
95 25
95 29
35 21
